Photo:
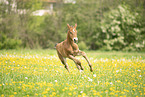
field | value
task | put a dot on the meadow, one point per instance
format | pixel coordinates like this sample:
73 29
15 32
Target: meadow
40 73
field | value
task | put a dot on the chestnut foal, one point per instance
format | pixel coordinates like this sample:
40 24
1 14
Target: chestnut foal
69 49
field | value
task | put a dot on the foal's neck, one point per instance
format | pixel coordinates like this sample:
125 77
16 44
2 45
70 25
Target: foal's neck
69 39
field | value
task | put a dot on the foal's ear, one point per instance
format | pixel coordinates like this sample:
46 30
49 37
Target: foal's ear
68 25
75 25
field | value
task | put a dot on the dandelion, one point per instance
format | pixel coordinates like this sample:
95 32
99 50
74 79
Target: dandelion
69 94
45 92
63 89
36 94
111 93
94 93
47 89
11 96
84 94
106 91
74 93
53 93
15 92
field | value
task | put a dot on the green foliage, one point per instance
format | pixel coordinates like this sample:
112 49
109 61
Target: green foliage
102 24
31 5
9 43
121 29
82 45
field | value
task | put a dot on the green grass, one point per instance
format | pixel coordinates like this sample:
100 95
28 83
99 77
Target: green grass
40 73
94 54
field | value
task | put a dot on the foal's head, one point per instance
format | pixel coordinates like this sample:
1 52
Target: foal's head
72 32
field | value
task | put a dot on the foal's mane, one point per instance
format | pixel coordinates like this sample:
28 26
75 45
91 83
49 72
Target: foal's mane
72 26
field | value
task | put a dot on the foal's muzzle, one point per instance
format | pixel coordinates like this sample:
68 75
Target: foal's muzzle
75 40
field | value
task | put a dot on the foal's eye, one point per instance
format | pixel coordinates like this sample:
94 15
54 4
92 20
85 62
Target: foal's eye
70 32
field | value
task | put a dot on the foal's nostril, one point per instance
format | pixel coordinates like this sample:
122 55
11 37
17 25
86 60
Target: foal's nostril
75 40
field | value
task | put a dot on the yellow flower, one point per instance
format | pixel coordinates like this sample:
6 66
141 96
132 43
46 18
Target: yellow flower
63 89
45 92
106 91
53 93
10 84
111 93
44 96
47 89
69 94
74 93
83 94
36 94
94 94
50 95
94 91
79 95
15 92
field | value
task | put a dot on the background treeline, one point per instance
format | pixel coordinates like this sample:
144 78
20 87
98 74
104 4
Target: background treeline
102 24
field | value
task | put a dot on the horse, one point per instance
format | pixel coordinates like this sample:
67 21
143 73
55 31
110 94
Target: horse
69 49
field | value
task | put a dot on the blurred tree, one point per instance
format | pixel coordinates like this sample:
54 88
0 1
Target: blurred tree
101 23
121 30
9 23
17 24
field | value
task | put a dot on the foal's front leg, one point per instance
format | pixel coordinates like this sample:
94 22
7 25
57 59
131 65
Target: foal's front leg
77 62
63 60
85 56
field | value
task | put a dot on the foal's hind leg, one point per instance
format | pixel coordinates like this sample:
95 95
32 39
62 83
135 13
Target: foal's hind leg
63 60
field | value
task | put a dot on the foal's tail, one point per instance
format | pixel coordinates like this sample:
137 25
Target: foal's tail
55 45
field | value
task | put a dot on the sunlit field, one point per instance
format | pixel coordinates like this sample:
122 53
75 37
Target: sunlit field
40 73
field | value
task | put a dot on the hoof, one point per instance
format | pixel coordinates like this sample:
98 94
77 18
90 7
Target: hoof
91 70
